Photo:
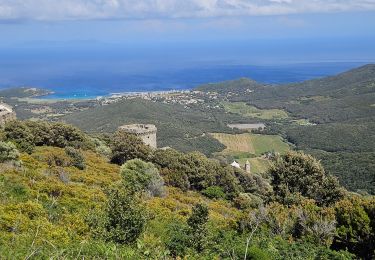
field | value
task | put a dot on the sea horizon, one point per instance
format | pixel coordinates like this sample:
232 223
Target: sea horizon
102 82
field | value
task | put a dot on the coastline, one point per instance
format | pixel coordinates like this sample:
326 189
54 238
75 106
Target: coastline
112 95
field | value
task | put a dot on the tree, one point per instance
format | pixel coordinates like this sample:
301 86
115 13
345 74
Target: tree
142 176
296 175
126 147
125 217
197 227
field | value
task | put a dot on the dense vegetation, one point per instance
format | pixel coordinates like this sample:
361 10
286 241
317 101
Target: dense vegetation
64 199
339 112
179 127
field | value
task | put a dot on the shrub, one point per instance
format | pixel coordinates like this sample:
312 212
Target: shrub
126 147
253 183
178 239
314 224
8 152
247 201
214 192
176 179
141 176
256 253
355 227
20 134
197 227
101 147
77 159
28 134
125 217
195 171
296 175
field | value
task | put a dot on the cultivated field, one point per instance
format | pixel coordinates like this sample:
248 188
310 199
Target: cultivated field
251 111
252 143
250 147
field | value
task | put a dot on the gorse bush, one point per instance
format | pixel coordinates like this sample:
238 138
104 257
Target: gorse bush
8 152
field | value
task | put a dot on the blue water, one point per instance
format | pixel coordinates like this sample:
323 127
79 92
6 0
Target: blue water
88 78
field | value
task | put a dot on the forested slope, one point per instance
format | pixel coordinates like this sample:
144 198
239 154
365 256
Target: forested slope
341 112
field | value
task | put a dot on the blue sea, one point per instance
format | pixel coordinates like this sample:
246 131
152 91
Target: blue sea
80 75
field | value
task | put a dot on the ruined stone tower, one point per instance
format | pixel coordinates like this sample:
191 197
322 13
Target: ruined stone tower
247 167
146 132
6 114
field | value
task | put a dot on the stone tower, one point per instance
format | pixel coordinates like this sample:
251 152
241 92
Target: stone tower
6 114
146 132
247 167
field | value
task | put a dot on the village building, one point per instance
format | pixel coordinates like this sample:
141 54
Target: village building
247 166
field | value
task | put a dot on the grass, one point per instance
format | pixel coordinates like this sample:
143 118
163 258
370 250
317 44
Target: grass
251 111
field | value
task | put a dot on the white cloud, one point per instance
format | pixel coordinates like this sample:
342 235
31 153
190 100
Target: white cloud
151 9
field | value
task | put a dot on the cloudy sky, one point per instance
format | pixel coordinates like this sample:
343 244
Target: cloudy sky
48 10
342 28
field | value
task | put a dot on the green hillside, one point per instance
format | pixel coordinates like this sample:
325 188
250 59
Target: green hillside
179 127
244 85
340 113
65 195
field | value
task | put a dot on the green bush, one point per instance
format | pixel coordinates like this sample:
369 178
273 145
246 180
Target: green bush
125 217
214 192
77 159
256 253
126 147
195 171
355 226
178 239
8 152
21 135
141 176
28 134
296 175
198 231
101 147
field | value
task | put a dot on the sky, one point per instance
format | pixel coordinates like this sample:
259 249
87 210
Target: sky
239 31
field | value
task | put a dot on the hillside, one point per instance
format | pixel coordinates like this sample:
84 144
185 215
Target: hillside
339 116
65 194
22 92
180 127
243 85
